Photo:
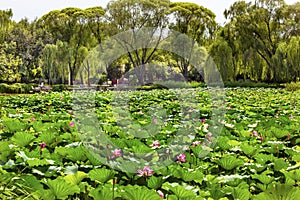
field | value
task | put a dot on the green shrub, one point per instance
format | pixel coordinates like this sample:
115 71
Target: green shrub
294 86
16 88
172 84
250 84
59 88
195 84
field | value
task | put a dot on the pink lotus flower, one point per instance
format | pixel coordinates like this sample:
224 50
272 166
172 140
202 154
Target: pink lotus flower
43 145
230 108
117 152
209 135
254 133
181 158
196 143
276 116
32 119
202 120
291 117
145 172
155 121
141 112
160 193
70 112
155 144
72 124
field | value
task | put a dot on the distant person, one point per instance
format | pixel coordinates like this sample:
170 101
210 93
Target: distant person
41 84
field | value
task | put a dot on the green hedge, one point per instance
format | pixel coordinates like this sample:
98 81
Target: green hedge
294 86
16 88
252 84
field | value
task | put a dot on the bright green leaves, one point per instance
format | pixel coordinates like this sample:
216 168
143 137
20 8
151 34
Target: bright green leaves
75 178
179 191
101 175
58 189
249 150
45 158
103 192
14 125
138 193
22 139
229 162
265 178
279 192
155 182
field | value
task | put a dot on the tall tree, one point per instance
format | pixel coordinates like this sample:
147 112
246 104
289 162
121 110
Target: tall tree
30 41
69 25
5 23
259 27
9 63
196 22
140 43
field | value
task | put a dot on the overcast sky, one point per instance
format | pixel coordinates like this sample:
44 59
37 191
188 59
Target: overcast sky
36 8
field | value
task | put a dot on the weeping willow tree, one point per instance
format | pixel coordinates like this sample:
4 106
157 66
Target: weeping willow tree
5 23
49 59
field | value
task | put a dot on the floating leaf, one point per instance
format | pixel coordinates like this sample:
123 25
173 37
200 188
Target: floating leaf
105 192
101 175
229 162
280 164
139 193
293 174
263 178
60 189
75 178
22 139
279 192
155 182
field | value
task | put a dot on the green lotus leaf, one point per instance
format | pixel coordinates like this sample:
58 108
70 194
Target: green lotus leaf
141 149
105 192
263 158
155 182
139 193
280 164
242 194
5 150
48 137
229 162
76 178
101 175
263 178
14 125
279 192
93 159
249 150
293 174
30 182
223 143
35 162
60 189
22 139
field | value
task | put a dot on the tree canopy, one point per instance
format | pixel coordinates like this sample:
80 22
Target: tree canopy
259 42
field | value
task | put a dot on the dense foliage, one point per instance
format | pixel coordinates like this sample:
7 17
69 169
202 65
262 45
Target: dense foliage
259 42
255 157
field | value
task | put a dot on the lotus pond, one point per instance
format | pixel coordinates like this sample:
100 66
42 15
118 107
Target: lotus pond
252 152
